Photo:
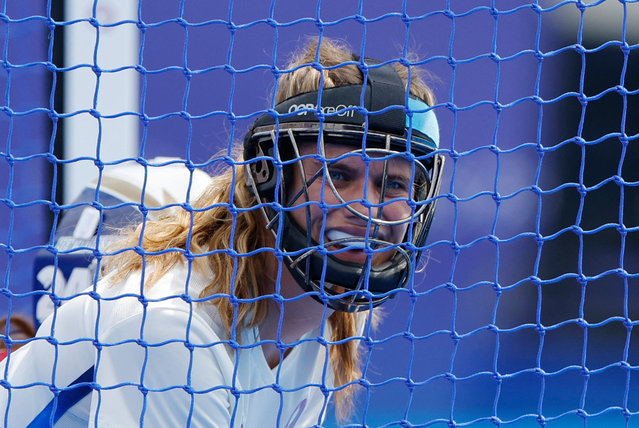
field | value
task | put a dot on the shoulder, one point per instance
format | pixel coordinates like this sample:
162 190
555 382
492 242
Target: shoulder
175 355
363 321
183 279
177 291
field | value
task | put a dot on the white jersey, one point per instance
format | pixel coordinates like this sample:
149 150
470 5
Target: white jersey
115 359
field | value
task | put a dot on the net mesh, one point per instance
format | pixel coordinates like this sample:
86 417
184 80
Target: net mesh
526 311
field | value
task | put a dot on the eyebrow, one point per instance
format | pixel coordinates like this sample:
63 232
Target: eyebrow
399 175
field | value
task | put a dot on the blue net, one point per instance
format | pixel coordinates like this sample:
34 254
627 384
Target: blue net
523 311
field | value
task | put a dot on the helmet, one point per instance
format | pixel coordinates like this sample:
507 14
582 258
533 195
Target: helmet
378 123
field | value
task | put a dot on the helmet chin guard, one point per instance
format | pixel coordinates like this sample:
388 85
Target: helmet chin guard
379 129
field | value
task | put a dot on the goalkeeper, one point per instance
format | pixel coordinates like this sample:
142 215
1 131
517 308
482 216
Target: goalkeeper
246 310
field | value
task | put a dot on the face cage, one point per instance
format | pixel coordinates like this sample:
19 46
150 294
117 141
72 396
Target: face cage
369 285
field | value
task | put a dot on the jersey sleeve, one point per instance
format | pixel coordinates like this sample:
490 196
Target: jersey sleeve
163 368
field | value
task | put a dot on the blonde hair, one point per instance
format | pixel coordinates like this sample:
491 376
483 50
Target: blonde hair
305 77
216 218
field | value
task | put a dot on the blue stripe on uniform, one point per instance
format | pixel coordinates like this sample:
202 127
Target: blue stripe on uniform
67 398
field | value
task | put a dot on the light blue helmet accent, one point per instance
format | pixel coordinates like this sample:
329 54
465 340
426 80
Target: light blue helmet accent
423 120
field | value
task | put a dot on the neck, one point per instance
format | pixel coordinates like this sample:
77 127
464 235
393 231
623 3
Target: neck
288 320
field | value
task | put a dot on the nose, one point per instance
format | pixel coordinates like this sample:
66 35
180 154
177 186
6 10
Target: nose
373 189
367 198
365 206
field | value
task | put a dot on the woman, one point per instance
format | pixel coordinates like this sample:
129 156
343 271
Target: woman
247 309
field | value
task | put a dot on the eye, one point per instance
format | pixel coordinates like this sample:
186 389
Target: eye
338 174
397 186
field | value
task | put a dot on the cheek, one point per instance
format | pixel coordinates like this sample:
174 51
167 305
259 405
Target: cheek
300 213
397 211
399 232
317 192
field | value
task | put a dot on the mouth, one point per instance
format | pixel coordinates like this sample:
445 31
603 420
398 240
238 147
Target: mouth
353 248
342 239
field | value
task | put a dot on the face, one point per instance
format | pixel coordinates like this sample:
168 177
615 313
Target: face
371 193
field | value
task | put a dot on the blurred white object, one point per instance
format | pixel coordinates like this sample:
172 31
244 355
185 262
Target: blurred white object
103 209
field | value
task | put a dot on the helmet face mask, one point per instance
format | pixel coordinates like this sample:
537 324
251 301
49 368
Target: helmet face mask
349 205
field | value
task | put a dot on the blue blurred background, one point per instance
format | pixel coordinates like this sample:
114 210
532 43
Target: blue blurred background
526 312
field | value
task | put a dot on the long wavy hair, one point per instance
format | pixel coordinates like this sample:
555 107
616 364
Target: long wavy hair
222 218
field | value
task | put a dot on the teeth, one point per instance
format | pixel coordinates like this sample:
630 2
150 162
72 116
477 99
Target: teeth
354 241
